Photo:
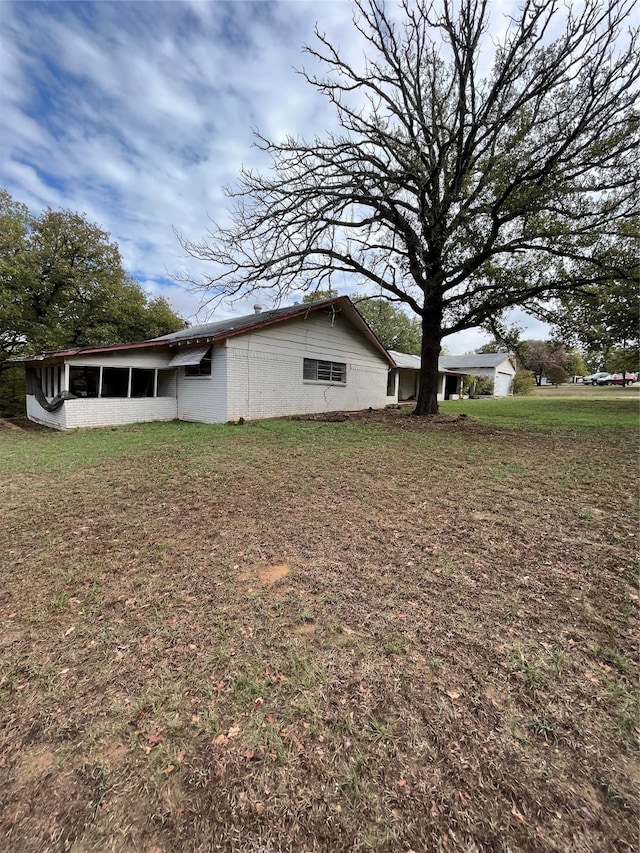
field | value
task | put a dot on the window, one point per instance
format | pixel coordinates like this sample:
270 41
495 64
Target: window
324 371
84 381
203 368
391 383
115 382
142 382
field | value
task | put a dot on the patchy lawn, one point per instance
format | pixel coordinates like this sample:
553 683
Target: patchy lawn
384 634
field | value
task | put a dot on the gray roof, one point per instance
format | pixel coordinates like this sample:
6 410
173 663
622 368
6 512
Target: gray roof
404 359
237 325
211 332
234 324
459 362
451 363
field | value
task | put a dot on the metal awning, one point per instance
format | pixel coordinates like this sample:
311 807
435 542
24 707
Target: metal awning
189 356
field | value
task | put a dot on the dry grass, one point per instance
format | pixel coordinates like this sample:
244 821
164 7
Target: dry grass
382 634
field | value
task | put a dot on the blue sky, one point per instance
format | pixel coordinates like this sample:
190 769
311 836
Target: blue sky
138 113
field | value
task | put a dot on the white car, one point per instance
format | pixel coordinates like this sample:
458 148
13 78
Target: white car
595 379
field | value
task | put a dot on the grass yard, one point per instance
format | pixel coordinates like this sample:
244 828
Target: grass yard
386 634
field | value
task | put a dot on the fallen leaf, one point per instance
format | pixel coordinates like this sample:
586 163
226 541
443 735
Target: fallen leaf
453 694
259 807
234 731
155 738
70 630
180 756
169 769
220 739
517 814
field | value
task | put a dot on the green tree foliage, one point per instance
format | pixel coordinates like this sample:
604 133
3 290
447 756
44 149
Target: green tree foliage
62 284
575 365
602 317
523 383
456 193
622 360
395 328
540 357
557 375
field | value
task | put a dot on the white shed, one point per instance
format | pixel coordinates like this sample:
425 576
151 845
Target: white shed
499 367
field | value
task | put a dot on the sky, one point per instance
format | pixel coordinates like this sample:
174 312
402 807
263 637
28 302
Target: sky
138 114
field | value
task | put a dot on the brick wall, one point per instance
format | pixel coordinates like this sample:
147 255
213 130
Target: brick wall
111 411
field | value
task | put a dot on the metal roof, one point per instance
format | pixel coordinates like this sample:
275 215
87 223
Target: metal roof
406 361
193 355
459 362
222 329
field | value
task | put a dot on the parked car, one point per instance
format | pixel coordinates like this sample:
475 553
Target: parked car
595 378
619 379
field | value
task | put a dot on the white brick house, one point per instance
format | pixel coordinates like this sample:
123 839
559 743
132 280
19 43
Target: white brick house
304 359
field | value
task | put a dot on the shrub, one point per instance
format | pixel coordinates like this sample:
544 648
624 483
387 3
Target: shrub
523 383
477 386
557 375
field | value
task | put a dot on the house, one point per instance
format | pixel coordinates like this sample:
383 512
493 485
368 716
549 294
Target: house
499 367
306 358
408 377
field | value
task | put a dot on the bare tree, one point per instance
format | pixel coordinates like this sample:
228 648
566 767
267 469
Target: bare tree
454 192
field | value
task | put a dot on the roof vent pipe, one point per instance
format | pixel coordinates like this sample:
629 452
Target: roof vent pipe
257 309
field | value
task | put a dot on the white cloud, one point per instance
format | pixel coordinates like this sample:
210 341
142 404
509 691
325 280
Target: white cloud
137 114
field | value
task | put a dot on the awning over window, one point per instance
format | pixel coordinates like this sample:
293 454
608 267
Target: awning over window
189 356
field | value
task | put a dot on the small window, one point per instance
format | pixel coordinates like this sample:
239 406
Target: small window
83 381
142 382
391 383
324 371
115 382
201 369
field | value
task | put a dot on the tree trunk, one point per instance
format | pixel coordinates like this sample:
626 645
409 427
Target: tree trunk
427 403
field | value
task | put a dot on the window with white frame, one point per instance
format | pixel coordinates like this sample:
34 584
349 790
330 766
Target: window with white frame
317 370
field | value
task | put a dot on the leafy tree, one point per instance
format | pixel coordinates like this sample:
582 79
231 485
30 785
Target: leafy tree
605 313
394 327
490 347
455 193
62 284
557 375
575 365
542 356
622 360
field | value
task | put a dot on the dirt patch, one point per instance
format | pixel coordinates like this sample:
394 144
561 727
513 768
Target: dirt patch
34 763
19 423
272 574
